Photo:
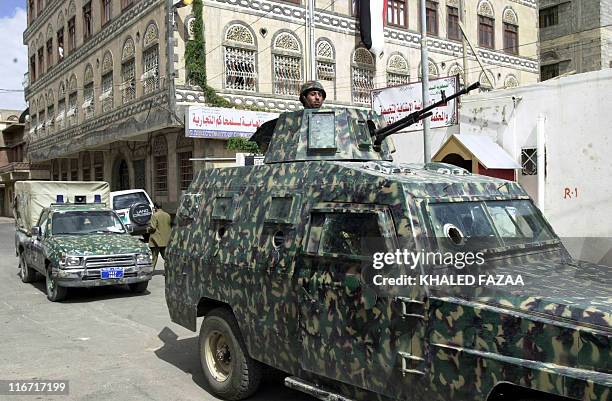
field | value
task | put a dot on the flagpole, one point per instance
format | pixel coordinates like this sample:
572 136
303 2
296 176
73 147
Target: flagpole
425 81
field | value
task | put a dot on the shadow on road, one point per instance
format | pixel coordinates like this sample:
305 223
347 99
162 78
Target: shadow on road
184 354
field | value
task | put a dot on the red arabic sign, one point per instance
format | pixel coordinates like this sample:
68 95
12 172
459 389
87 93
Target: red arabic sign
398 101
216 122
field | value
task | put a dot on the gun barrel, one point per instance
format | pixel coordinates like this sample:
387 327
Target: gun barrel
414 117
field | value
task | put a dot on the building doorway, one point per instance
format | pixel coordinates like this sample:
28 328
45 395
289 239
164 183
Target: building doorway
457 160
121 176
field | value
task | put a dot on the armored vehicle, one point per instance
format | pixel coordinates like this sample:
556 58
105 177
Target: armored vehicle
73 243
281 261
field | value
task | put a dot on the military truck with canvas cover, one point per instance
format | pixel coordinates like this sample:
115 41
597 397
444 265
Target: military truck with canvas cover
66 232
282 261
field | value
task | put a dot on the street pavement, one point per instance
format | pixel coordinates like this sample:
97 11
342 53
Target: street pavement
110 344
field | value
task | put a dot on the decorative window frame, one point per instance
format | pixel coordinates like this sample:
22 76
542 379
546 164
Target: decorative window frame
326 59
150 42
367 68
159 150
283 52
395 70
244 46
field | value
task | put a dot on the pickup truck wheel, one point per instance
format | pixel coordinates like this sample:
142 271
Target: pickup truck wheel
139 287
27 275
229 371
55 292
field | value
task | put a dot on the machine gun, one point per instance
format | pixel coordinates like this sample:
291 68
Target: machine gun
380 134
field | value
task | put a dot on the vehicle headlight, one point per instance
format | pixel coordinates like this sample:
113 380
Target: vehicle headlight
71 261
143 258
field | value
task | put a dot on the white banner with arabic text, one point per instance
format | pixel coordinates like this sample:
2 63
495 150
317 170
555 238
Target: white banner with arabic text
397 102
222 123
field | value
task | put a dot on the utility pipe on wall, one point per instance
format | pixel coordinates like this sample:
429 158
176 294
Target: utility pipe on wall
541 166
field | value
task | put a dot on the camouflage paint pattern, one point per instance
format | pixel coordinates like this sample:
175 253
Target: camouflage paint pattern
242 239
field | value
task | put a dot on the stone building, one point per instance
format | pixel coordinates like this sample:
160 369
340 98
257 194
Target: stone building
109 88
575 36
13 164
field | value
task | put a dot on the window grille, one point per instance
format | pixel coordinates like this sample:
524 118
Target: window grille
185 169
529 161
151 69
161 175
88 101
128 75
363 83
107 92
326 71
287 75
394 79
240 71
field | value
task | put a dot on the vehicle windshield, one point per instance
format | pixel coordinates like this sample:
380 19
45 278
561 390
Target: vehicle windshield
489 224
127 200
86 222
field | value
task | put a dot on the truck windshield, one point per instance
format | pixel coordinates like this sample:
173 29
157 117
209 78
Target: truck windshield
86 222
485 225
127 200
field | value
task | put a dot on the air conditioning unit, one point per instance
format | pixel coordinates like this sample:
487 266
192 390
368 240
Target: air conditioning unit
87 104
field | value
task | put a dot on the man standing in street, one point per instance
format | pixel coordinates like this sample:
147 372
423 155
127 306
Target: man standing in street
159 228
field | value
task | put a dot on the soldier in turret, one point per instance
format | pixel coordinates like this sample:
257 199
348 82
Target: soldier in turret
312 95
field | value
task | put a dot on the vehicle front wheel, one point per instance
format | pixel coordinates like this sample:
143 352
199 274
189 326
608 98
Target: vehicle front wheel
27 275
228 369
139 287
55 292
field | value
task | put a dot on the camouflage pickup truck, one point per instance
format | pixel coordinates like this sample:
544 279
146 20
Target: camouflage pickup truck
82 245
280 261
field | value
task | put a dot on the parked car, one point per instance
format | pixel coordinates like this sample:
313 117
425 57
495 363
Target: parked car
134 207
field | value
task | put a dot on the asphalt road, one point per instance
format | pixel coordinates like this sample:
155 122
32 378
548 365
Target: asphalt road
109 343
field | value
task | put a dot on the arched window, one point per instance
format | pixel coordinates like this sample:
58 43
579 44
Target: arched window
184 154
50 123
398 72
486 84
362 76
61 107
511 82
106 97
50 35
128 71
42 116
287 64
510 31
88 105
326 66
150 58
239 50
72 114
486 25
432 70
456 69
160 166
71 45
60 37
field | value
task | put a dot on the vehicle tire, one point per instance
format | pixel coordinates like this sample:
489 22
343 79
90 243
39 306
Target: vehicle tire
27 275
228 369
140 213
55 293
139 287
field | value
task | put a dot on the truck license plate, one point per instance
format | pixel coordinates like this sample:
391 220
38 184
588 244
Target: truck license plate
111 272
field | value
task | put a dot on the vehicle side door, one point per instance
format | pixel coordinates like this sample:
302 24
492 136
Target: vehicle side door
37 253
341 315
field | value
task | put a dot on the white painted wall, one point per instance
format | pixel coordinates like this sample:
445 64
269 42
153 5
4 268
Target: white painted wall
578 112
